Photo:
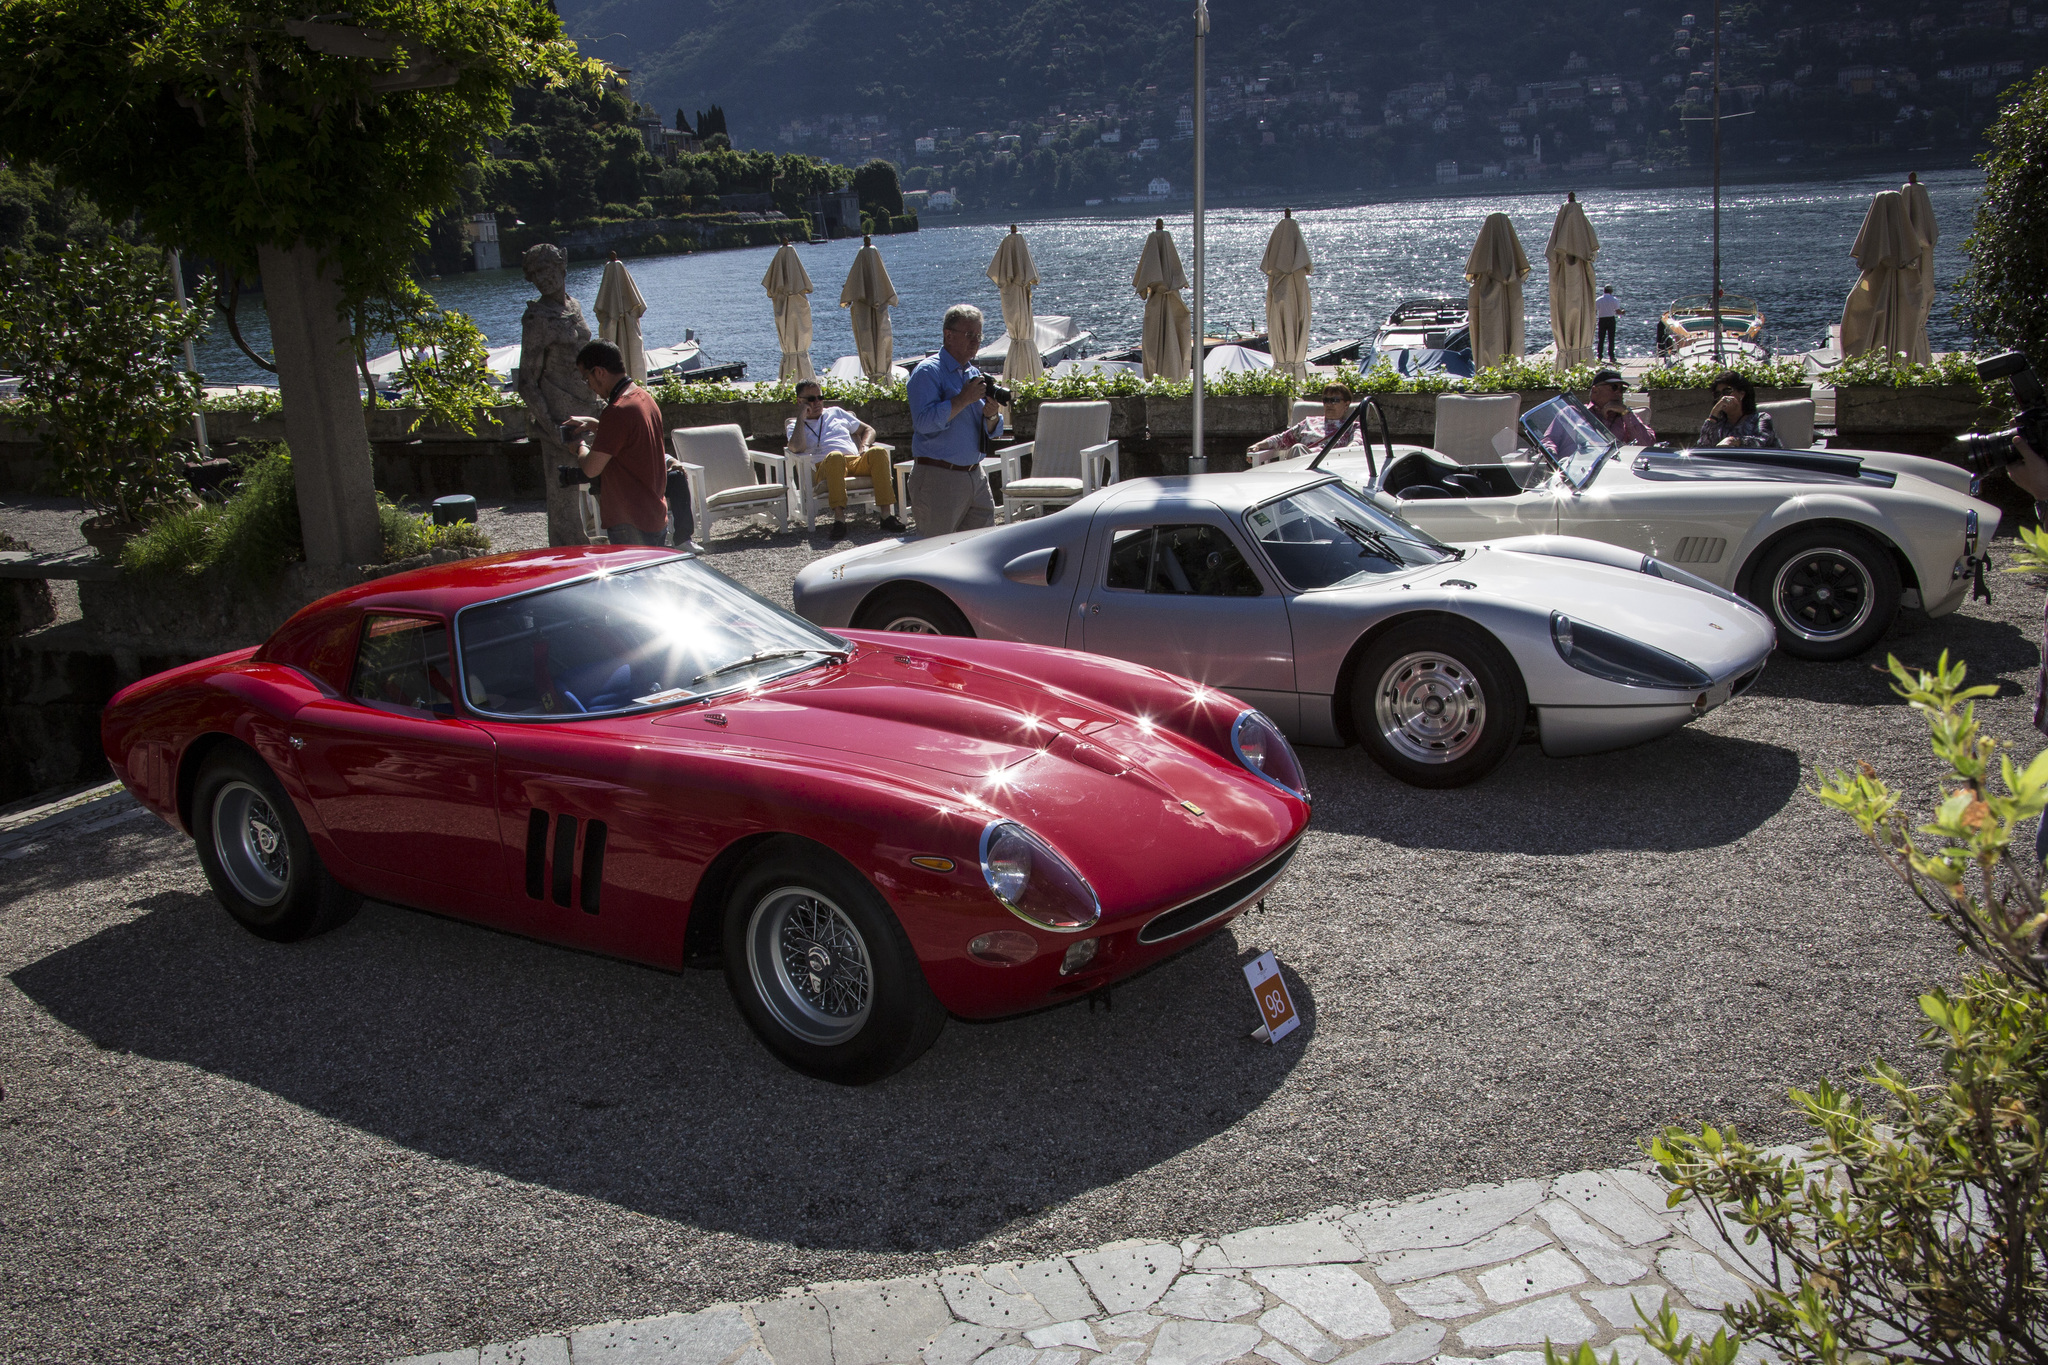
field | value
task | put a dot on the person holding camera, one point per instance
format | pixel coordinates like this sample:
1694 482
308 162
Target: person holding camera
624 445
954 412
1734 420
848 445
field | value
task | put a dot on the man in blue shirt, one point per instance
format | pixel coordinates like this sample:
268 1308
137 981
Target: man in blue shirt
948 491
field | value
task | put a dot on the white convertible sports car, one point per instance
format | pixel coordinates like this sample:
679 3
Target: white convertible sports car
1830 543
1336 618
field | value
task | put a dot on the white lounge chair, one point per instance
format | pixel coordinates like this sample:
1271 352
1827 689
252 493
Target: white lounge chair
726 478
1794 420
1071 457
809 493
1302 409
1468 425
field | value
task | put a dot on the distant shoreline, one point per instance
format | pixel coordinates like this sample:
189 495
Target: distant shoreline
1592 184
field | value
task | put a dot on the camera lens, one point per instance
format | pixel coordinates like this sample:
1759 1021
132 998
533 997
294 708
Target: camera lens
1987 452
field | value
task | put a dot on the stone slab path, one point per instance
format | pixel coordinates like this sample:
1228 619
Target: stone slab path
1482 1274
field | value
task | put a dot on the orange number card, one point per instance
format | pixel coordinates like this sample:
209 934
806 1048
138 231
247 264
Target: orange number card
1276 1006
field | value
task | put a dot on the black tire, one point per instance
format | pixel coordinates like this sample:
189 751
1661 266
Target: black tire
1832 592
913 610
859 1009
254 850
1459 670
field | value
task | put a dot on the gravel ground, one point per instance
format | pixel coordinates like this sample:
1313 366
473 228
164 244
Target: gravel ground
413 1134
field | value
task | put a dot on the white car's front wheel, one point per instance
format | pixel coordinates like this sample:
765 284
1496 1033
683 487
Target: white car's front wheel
1831 592
1437 703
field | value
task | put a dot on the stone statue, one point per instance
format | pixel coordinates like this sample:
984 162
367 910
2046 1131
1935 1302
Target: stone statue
552 331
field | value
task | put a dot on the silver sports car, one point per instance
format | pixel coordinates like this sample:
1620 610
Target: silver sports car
1830 543
1333 615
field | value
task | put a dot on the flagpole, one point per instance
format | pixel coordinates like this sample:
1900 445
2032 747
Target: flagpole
1198 463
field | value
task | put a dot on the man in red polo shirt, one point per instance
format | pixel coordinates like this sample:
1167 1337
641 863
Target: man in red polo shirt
626 449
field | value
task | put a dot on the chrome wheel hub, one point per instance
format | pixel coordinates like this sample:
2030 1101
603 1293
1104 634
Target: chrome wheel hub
1823 595
810 965
248 839
1429 707
911 625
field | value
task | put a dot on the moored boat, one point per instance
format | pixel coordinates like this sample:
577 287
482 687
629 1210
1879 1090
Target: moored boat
1685 333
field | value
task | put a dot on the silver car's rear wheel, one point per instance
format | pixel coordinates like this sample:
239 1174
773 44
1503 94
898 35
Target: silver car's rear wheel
810 965
1437 702
1429 707
912 609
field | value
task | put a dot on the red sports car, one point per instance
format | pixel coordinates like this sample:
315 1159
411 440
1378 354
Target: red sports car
624 750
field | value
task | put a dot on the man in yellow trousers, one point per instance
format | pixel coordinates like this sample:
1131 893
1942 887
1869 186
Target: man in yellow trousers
849 450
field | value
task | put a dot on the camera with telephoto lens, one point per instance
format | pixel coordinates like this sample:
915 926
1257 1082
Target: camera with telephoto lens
993 392
1987 452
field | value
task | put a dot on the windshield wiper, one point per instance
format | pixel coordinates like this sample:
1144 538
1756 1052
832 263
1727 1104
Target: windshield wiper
1370 539
767 655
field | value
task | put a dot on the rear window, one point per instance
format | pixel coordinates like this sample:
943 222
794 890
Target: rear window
402 662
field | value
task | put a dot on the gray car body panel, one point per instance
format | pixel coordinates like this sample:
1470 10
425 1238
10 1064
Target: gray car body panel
1286 651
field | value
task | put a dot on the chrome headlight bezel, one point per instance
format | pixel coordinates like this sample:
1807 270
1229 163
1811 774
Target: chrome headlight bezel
1613 657
1237 728
1011 897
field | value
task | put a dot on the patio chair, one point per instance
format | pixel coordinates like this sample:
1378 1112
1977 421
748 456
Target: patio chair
1793 417
1071 457
1302 409
726 478
1468 425
809 493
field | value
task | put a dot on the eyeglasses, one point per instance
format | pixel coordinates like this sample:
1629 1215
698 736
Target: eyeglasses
1336 398
812 398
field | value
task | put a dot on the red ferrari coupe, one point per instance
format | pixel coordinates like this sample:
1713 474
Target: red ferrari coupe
626 751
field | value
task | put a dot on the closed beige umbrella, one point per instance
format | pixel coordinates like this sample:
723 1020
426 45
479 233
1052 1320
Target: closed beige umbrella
1572 248
1883 311
789 289
1920 213
1015 275
1167 349
1287 267
1496 269
870 295
619 309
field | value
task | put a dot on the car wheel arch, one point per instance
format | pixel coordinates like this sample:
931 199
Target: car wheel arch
1909 577
1340 707
905 585
193 761
704 932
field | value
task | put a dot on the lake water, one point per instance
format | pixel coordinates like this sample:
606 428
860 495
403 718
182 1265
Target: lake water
1785 245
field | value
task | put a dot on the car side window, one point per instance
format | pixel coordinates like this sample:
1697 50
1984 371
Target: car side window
402 662
1195 560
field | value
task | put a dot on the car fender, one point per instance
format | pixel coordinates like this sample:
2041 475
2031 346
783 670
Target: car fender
1809 508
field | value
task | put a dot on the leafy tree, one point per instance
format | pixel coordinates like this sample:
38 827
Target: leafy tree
96 334
2005 288
881 193
39 214
1920 1234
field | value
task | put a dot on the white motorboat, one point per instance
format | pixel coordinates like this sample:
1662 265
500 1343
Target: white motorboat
1685 333
1428 324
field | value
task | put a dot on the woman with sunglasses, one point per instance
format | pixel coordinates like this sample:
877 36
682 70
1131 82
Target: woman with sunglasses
1734 420
1311 431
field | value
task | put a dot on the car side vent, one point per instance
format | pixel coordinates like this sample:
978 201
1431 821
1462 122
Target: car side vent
565 856
593 864
1699 550
536 853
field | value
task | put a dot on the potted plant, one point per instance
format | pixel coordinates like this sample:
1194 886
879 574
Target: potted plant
1408 402
1886 402
1681 396
95 334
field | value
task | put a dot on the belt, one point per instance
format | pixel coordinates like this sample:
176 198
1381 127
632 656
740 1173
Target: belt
944 464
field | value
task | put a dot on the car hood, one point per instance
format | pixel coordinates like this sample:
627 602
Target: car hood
1735 464
1577 577
1109 791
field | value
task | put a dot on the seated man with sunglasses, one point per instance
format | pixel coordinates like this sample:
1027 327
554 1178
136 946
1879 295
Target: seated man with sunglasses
848 445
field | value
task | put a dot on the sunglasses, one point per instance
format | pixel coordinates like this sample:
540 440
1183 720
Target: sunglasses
1336 398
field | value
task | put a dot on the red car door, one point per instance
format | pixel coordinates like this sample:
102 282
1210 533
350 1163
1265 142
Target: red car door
403 785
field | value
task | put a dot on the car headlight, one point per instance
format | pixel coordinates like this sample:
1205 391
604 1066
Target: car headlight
1265 752
1034 882
1617 658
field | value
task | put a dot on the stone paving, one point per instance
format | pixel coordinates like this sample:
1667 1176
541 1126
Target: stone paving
1487 1273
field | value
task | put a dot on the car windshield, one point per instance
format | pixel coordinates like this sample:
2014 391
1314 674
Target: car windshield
665 632
1327 535
1573 437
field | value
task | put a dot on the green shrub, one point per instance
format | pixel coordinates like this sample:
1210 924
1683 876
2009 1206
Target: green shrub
408 533
1892 370
1765 374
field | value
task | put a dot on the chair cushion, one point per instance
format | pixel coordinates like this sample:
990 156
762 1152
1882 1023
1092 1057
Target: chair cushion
751 493
721 452
1042 488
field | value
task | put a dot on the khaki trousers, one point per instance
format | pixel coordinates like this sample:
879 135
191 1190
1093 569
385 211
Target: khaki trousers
944 500
835 470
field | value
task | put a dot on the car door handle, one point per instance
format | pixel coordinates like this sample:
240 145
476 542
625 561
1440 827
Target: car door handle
1095 608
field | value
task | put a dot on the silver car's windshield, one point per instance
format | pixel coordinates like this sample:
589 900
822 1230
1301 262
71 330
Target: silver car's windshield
1571 436
1327 535
665 632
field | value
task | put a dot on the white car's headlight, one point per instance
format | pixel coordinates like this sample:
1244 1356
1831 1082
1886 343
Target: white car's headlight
1034 882
1264 751
1617 658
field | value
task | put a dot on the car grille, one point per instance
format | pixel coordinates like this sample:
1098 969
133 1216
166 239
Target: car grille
1699 550
1219 902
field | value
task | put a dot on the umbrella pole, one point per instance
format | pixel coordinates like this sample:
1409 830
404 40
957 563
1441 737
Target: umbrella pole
1717 183
191 359
1198 463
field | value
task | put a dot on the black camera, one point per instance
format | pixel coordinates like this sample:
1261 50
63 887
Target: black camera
993 392
569 476
1987 452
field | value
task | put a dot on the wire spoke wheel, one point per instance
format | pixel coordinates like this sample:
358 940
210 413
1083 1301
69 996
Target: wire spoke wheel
249 839
1823 594
1430 707
810 965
